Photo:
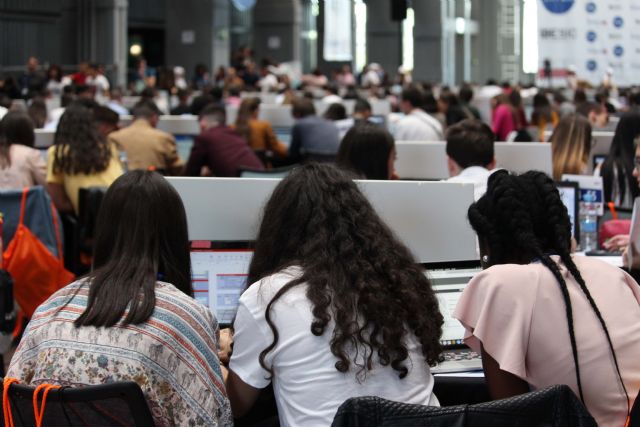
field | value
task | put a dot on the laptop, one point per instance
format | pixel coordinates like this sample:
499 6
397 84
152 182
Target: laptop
219 276
448 285
570 196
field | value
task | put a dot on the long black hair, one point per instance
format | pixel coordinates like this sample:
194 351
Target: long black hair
355 270
365 151
522 218
620 158
79 147
141 238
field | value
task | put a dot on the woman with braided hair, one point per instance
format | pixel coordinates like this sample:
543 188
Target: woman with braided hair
338 307
540 316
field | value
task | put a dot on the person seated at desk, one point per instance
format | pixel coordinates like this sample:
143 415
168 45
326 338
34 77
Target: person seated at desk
258 133
416 125
541 316
312 137
369 151
79 158
619 184
133 318
470 154
145 146
571 146
219 148
21 165
337 306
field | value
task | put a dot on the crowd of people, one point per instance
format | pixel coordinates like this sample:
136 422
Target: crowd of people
336 306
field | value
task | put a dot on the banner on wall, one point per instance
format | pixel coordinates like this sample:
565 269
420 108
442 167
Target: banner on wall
591 37
337 30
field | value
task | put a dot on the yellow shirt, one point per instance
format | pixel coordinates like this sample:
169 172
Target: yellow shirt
73 183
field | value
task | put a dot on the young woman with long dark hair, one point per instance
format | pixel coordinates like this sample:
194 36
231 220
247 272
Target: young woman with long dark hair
132 318
620 186
79 158
541 316
21 165
337 306
369 151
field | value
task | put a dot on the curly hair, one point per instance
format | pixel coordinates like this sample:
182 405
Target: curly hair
355 270
79 147
521 219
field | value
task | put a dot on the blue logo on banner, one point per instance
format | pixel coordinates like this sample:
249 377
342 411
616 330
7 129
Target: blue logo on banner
558 6
618 51
618 22
592 65
592 36
591 7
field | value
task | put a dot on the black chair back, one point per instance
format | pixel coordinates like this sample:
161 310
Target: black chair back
117 404
554 406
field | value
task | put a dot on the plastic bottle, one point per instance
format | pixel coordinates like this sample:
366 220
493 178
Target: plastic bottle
589 231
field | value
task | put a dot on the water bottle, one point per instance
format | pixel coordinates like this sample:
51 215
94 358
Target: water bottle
589 231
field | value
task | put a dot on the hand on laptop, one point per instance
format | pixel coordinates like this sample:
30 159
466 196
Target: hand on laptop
226 345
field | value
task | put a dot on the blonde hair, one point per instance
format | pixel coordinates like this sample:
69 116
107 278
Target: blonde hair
570 145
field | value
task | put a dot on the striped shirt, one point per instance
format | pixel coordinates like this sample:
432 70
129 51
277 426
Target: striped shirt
172 356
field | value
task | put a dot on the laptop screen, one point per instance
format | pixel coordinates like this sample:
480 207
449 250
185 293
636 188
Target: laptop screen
569 193
448 286
219 276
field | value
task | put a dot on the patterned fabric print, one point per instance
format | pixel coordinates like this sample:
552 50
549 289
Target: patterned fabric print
172 356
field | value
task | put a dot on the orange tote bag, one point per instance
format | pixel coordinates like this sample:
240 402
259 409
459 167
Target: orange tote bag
36 273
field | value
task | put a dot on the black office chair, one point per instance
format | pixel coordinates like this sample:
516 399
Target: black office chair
554 406
116 404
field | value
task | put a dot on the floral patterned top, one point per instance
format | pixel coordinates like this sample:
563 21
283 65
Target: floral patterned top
172 356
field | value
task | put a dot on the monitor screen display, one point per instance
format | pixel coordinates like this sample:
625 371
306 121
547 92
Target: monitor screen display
219 276
569 195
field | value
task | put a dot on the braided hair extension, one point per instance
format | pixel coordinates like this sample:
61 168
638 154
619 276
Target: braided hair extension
504 204
559 226
355 270
534 223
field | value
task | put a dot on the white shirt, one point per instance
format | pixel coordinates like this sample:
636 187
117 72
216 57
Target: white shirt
418 126
308 388
476 175
268 82
332 99
100 82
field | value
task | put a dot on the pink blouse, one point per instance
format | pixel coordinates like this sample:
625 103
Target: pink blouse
503 122
517 313
27 169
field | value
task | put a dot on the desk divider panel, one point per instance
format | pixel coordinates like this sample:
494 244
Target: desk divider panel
429 217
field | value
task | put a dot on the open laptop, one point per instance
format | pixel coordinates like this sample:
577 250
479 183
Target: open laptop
448 285
570 196
219 276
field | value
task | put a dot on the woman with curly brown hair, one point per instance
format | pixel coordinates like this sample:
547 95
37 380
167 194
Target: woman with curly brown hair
79 158
338 307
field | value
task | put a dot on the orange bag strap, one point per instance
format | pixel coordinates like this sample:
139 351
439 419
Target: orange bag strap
57 231
39 413
6 405
23 204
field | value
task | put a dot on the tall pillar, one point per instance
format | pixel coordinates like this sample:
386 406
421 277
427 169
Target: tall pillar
384 36
277 30
110 34
221 46
431 60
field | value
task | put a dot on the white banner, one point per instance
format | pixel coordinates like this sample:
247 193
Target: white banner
337 30
592 37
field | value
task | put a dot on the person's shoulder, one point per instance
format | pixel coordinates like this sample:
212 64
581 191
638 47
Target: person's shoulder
261 292
587 265
509 275
19 150
174 297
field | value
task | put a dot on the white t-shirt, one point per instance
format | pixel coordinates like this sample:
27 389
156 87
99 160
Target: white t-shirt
418 126
476 175
307 386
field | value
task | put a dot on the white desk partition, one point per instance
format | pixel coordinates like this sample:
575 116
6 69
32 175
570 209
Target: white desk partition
428 160
429 217
175 125
44 138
